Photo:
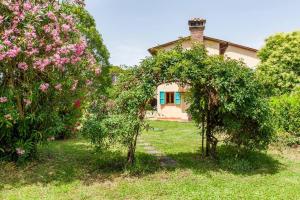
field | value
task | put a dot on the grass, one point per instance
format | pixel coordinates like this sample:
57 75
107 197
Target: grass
73 170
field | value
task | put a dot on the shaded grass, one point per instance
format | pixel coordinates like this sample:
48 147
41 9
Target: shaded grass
73 170
181 142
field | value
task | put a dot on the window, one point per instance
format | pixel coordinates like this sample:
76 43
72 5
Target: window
169 97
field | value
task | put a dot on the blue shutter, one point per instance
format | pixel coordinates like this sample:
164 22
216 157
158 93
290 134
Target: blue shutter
162 97
177 98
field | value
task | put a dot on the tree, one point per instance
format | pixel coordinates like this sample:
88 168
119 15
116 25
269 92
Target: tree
279 70
226 99
121 119
46 66
224 95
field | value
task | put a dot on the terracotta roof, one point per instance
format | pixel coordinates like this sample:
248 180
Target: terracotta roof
154 49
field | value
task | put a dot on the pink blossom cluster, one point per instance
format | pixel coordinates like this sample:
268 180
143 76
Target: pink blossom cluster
58 87
98 71
44 87
3 99
44 44
51 16
41 64
13 52
23 66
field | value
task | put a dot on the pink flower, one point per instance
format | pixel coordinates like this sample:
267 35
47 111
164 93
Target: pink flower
14 7
3 99
88 82
27 102
23 66
13 52
44 87
27 6
32 51
55 33
97 71
42 64
2 56
66 28
8 117
30 35
58 87
7 42
75 59
35 9
51 16
47 28
48 48
79 49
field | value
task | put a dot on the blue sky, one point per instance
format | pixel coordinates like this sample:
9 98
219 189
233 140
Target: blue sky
130 27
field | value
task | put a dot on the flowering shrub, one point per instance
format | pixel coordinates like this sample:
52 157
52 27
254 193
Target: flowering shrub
46 73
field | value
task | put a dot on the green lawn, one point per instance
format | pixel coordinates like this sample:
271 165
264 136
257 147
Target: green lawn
72 170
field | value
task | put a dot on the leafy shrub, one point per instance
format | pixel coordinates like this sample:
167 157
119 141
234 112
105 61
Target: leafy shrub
286 113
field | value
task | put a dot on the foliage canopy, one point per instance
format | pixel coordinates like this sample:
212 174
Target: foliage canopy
224 97
279 70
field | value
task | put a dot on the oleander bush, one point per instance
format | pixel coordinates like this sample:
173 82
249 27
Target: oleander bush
47 74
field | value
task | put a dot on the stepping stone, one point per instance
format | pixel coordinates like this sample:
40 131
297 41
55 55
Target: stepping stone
155 152
149 148
164 160
167 162
144 144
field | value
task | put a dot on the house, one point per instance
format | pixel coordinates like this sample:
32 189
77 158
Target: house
170 97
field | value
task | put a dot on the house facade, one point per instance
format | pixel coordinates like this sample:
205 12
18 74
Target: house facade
170 96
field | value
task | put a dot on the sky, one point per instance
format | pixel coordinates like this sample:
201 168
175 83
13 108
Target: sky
130 27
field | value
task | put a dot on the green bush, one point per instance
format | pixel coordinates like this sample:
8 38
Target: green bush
286 116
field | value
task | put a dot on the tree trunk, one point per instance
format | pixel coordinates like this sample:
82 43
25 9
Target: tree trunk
130 155
132 148
203 133
214 143
208 128
17 96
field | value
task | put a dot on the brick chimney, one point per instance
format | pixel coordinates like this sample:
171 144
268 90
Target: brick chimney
197 26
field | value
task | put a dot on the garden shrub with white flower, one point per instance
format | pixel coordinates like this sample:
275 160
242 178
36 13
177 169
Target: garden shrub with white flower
47 73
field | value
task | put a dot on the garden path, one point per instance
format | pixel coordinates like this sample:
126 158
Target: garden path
164 160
